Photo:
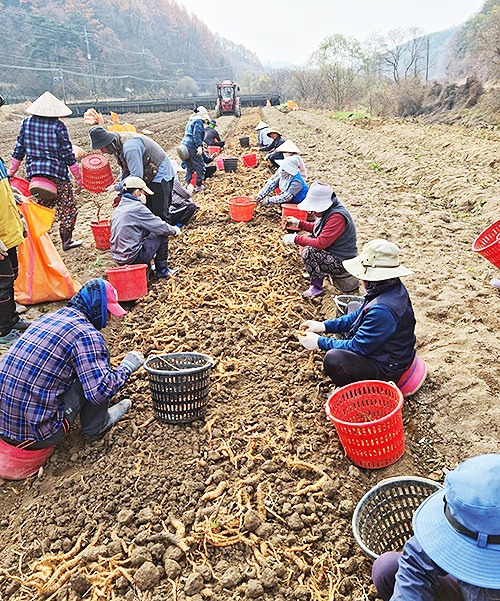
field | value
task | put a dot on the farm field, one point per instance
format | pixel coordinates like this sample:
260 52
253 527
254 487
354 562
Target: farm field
257 500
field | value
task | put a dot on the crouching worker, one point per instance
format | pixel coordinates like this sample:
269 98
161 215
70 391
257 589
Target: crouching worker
292 186
58 370
138 236
381 333
454 553
332 240
182 208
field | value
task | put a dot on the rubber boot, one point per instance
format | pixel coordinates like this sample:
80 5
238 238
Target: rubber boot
316 288
115 413
68 243
162 270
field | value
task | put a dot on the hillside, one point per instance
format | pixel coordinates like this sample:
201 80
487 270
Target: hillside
136 47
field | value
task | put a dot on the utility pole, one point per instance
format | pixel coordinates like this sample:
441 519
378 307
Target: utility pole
91 66
61 75
427 62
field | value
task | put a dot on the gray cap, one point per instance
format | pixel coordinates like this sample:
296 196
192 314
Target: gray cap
100 137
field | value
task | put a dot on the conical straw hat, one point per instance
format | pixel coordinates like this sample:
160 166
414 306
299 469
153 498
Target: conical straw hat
288 146
49 106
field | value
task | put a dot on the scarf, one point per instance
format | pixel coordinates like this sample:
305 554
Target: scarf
92 302
374 289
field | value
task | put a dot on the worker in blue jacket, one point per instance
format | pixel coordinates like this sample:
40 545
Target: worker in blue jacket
380 342
454 553
193 142
292 187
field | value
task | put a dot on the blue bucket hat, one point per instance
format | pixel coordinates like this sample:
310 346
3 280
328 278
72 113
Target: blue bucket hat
459 526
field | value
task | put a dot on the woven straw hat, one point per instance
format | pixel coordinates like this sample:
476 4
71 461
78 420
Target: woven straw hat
261 125
47 105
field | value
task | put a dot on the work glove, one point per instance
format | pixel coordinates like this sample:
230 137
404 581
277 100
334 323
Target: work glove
133 360
199 151
313 326
289 239
309 341
177 230
293 221
3 251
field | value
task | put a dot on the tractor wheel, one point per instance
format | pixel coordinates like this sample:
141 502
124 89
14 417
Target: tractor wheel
218 112
237 111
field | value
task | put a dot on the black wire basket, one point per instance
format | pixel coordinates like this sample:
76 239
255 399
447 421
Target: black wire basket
382 520
179 384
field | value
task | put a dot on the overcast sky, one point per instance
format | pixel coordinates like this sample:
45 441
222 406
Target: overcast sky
290 30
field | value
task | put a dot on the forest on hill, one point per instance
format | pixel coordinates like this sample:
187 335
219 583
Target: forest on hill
112 48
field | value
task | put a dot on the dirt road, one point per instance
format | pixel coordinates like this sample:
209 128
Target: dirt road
257 501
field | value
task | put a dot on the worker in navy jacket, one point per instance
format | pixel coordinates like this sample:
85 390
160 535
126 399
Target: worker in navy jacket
380 342
193 141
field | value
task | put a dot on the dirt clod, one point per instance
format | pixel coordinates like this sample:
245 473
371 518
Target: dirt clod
231 577
254 589
194 584
79 583
147 576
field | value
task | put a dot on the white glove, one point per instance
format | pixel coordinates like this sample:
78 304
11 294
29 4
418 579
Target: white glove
133 360
289 239
292 221
199 151
3 250
309 341
177 230
313 326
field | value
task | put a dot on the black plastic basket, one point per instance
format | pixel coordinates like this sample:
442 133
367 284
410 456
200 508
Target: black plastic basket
383 518
245 141
179 384
230 164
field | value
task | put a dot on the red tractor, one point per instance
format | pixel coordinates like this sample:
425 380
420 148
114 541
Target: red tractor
228 103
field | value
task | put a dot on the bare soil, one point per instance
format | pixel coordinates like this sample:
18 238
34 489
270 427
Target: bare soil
257 500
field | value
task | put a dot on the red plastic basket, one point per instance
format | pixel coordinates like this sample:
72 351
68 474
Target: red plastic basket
249 160
487 244
21 185
96 173
102 233
129 281
214 150
288 209
241 208
369 422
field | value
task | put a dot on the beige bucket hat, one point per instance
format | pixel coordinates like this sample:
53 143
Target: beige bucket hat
201 113
261 125
47 105
132 182
379 260
318 197
288 146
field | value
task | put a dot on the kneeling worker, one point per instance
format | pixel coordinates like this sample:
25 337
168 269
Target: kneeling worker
332 239
381 333
59 369
138 236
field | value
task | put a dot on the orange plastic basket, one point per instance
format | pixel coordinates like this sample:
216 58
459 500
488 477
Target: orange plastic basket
289 209
369 422
96 172
487 244
241 208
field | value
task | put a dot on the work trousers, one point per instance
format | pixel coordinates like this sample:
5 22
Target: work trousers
384 576
152 246
93 419
180 215
195 164
8 275
159 203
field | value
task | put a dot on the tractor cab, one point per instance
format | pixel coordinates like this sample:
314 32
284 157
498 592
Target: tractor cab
228 102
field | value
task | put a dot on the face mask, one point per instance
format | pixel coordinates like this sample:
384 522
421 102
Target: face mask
142 198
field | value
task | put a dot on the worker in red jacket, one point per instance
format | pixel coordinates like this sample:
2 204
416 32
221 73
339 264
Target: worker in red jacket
332 239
